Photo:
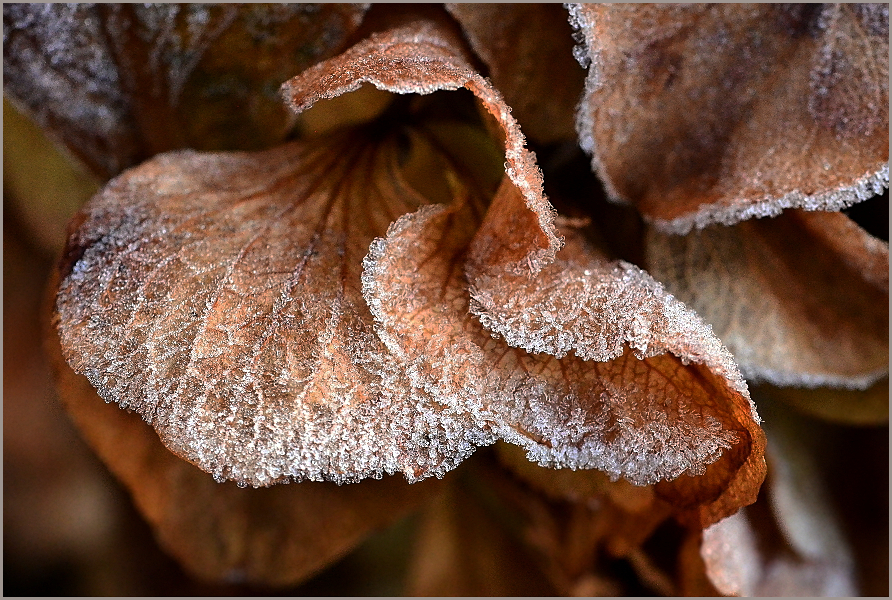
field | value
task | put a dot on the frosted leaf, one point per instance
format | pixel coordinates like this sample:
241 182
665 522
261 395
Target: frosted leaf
275 536
582 302
647 419
218 295
714 114
117 84
810 313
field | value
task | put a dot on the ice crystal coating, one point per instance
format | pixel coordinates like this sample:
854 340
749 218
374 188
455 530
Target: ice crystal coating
420 58
218 296
716 114
119 83
811 314
642 419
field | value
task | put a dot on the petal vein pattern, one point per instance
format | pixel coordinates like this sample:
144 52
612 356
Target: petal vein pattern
642 419
218 295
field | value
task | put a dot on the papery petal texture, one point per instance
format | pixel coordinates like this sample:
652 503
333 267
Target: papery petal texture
810 312
701 114
643 419
218 296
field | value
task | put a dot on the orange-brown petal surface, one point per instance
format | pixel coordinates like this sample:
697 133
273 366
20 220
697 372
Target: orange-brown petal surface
420 57
644 419
218 295
118 83
801 299
700 114
278 536
599 309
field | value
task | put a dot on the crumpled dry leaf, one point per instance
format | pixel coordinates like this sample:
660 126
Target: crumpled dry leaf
540 81
813 312
219 297
119 83
222 532
700 114
584 303
253 362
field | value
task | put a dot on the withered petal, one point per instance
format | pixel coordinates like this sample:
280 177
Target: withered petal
582 302
643 419
529 51
277 536
801 299
595 308
789 543
421 57
713 114
118 83
218 295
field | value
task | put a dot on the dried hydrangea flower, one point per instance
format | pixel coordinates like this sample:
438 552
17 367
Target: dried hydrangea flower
383 298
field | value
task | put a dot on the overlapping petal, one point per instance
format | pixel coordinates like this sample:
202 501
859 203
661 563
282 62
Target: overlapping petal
222 532
117 83
813 313
700 114
219 297
223 305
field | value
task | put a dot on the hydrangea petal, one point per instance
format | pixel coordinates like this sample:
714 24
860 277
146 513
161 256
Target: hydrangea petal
218 295
276 536
643 419
703 114
810 313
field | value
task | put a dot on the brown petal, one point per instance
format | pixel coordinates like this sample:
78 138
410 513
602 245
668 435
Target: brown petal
529 51
584 303
789 542
219 531
219 297
800 299
420 57
643 419
701 114
119 83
